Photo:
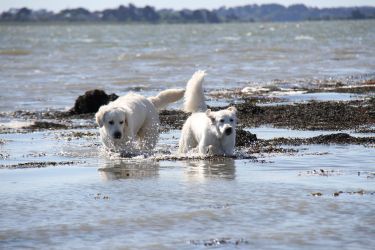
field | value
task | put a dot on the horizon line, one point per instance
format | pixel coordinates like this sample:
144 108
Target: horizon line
175 9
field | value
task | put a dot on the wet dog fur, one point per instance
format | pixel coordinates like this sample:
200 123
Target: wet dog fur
206 131
130 124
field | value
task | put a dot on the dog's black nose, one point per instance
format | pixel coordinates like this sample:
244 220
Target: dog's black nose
117 135
228 131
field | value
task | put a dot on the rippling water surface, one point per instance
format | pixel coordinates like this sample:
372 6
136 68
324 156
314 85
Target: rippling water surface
47 66
277 201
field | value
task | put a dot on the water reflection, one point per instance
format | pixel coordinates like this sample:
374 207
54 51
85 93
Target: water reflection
200 170
129 169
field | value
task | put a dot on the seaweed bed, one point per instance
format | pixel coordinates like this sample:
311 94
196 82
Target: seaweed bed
37 164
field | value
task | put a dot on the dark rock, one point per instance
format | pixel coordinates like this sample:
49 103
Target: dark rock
244 138
334 138
316 194
341 138
91 101
172 119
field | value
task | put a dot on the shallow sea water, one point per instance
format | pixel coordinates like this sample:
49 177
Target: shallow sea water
147 204
99 201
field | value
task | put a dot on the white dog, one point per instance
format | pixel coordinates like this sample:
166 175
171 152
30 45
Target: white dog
212 133
130 124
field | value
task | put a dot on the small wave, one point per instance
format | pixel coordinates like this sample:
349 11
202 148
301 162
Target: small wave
170 156
15 124
37 71
86 40
304 38
256 89
231 38
154 56
288 92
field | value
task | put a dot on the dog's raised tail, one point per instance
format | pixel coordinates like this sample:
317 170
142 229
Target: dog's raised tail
194 96
166 97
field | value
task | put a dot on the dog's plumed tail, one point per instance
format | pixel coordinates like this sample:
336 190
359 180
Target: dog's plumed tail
165 97
194 96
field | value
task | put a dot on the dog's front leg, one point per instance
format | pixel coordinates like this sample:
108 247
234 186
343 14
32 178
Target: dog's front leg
206 146
203 147
212 150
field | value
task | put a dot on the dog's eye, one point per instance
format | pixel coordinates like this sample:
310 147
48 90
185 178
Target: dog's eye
231 120
111 122
221 120
121 122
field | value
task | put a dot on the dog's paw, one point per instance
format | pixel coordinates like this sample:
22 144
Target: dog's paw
211 150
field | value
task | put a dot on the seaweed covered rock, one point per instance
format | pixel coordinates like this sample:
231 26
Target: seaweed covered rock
173 119
91 101
337 138
244 138
333 138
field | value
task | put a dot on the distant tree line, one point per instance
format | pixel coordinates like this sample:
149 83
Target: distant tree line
148 14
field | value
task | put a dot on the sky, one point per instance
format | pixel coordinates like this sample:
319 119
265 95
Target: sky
57 5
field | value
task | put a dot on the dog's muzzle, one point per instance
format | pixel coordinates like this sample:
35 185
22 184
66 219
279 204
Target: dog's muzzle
228 131
117 135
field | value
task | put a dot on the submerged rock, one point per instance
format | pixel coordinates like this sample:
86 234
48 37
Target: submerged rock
91 101
40 125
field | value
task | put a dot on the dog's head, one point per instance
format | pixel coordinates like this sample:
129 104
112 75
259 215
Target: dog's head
113 120
225 121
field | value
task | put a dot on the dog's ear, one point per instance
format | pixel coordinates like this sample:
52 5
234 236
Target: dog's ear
125 118
99 116
232 108
210 115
